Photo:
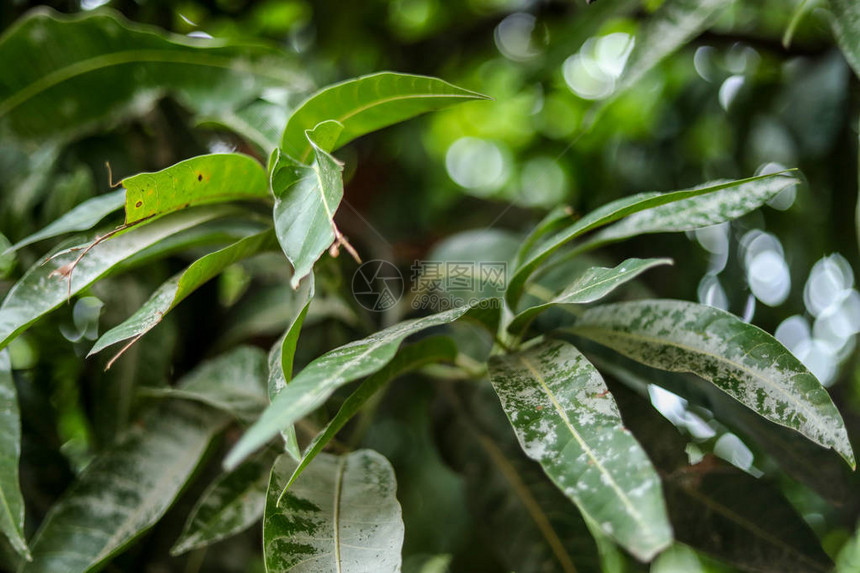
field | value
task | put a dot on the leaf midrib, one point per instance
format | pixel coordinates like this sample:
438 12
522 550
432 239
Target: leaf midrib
338 491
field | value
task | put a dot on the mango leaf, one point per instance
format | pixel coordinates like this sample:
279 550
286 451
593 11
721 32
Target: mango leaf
592 285
610 213
846 14
40 290
340 516
306 199
180 286
427 351
11 500
521 514
124 491
319 379
98 66
82 218
231 504
368 103
234 382
200 180
553 221
261 122
848 559
695 212
720 510
740 359
566 420
674 24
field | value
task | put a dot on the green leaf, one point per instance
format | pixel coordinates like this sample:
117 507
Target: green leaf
366 104
200 180
340 516
554 221
427 351
11 500
741 359
674 24
67 74
234 382
592 285
82 218
846 14
40 290
124 491
605 215
319 379
231 504
260 122
306 199
695 212
848 560
177 288
566 420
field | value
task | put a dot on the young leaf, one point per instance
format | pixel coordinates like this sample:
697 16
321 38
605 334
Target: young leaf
234 502
605 215
234 383
124 491
97 67
11 500
741 359
695 212
340 516
368 103
176 289
312 387
592 285
215 178
82 218
40 290
428 351
565 419
306 199
672 26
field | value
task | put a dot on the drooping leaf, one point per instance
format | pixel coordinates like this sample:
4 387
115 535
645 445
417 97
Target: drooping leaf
720 510
592 285
368 103
11 499
66 74
234 382
319 379
41 290
846 15
124 491
306 199
605 215
695 212
231 504
566 420
529 524
180 286
427 351
340 516
215 178
674 24
741 359
82 218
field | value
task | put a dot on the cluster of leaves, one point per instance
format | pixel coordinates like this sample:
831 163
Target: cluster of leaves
587 429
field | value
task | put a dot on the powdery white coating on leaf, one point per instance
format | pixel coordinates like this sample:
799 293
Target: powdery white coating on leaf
123 492
591 285
340 516
233 503
566 420
742 360
313 385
